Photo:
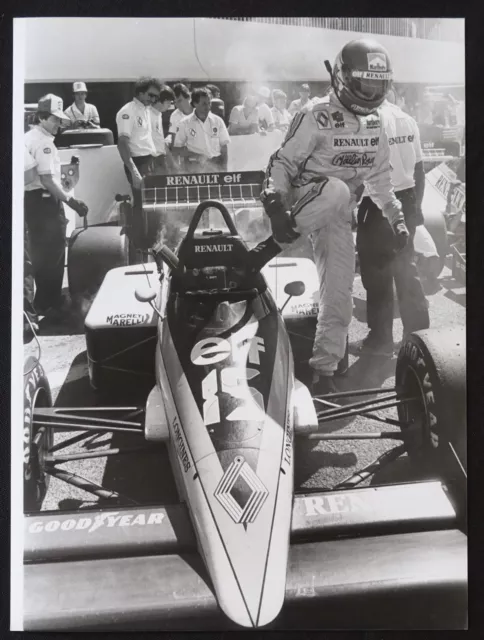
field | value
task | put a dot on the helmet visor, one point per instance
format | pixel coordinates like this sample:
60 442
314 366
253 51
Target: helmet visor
370 90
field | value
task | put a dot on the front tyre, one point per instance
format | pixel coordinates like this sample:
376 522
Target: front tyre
37 440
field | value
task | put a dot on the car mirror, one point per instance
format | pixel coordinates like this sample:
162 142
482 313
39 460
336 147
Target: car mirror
296 288
145 294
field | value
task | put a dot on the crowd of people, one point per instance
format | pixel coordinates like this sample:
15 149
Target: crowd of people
353 148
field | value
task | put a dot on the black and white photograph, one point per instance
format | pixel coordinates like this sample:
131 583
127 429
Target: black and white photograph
239 354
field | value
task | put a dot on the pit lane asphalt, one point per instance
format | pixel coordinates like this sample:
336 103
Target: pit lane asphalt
147 478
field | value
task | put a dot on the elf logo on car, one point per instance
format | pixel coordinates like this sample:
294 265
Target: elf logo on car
231 380
89 525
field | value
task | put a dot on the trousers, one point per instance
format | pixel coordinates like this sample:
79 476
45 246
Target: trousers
44 252
381 266
321 210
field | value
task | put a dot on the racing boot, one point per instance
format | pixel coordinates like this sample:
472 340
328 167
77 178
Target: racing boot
343 364
323 385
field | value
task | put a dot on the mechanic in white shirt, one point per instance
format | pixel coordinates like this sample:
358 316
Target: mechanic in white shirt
183 108
202 137
266 121
380 262
45 221
244 118
282 117
81 113
303 101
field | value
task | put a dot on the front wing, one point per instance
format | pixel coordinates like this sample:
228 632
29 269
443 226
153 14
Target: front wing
386 557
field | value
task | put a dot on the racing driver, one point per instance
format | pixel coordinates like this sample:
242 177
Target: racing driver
330 150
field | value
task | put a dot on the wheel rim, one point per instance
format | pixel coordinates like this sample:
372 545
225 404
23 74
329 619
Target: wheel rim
34 473
415 414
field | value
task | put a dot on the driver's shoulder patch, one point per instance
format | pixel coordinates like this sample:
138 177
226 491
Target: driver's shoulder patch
322 118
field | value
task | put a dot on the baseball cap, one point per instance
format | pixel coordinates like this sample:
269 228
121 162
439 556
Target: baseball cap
264 92
79 86
304 87
52 104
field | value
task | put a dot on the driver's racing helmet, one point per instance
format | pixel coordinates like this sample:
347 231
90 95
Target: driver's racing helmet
362 76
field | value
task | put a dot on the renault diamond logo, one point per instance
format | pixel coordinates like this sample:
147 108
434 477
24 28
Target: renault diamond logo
240 492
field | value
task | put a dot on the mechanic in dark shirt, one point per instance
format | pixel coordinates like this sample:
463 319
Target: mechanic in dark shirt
380 262
45 221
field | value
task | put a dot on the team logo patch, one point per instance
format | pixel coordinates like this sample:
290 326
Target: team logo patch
47 150
322 119
140 121
372 122
193 132
338 119
125 116
241 492
377 62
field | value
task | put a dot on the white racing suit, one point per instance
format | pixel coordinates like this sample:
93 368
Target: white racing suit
327 154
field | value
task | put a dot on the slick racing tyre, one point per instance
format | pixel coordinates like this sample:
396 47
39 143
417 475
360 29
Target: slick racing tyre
78 137
37 440
435 224
92 253
431 367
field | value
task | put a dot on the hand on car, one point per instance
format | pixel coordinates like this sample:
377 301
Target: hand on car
284 228
137 179
79 207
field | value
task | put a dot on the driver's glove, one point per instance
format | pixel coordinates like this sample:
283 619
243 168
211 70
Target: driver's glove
393 211
79 207
283 225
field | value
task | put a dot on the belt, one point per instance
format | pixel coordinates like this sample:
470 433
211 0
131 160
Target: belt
37 193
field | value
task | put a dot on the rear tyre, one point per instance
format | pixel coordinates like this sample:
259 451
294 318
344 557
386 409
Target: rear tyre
431 366
92 253
37 440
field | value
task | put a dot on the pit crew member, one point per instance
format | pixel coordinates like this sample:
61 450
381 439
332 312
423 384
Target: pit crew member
217 105
266 121
244 118
183 108
45 222
310 184
380 261
202 137
303 101
163 159
282 117
81 113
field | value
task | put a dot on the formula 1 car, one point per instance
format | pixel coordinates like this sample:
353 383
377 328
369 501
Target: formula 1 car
241 548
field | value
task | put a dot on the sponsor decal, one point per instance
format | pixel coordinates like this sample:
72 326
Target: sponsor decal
287 457
322 119
338 119
377 62
140 121
352 141
193 132
414 354
455 194
203 179
359 109
230 380
69 176
372 122
305 308
47 150
127 319
101 520
350 503
355 160
400 139
241 492
125 116
373 75
180 445
213 248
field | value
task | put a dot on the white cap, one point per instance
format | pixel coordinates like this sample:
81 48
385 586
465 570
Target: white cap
264 92
79 86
